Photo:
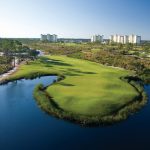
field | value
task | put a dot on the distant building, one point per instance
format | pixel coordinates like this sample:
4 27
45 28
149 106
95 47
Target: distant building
49 37
118 39
97 38
126 39
54 38
43 37
134 39
121 40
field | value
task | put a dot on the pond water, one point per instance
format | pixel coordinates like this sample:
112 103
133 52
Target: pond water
24 126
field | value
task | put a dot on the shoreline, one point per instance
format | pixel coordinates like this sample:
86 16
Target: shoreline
118 115
5 76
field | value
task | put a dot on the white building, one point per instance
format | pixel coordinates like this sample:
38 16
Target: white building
97 38
43 37
117 38
126 39
122 39
54 38
134 39
49 37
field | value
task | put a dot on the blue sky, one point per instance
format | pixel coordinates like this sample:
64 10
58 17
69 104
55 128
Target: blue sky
74 18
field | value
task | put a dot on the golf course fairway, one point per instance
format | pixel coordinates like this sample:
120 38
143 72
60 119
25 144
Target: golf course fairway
87 90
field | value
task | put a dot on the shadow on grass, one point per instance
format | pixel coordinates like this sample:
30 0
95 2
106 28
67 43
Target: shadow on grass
65 84
66 73
53 62
81 72
69 71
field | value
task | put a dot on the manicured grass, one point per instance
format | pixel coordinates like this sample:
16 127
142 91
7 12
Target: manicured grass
88 89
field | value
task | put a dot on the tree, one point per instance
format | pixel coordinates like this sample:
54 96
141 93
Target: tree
129 46
33 53
120 46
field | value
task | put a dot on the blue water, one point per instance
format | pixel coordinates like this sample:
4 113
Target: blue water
24 126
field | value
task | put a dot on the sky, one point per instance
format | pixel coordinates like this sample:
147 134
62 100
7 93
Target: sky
74 18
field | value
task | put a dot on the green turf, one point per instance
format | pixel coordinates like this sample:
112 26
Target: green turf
88 89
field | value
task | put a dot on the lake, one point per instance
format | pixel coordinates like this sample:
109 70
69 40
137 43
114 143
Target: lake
24 126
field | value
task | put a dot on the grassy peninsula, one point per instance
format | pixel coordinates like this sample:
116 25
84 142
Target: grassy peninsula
87 92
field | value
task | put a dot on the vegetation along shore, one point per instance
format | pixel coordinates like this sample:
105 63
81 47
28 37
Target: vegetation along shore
86 92
97 83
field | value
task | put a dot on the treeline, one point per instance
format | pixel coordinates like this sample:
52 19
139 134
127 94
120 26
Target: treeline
58 48
12 49
118 60
16 48
5 64
111 55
